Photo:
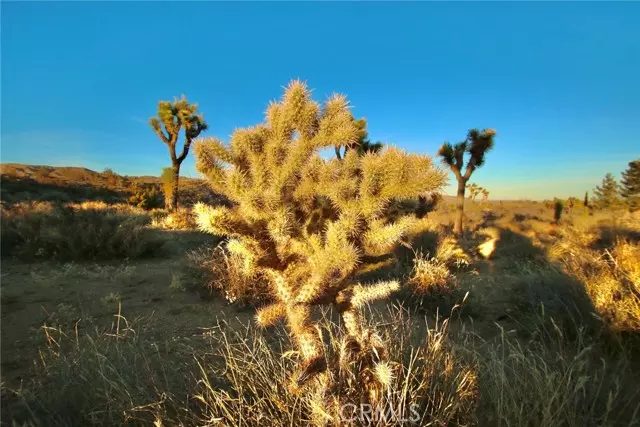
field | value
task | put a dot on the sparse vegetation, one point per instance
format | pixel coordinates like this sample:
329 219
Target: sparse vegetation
44 230
510 313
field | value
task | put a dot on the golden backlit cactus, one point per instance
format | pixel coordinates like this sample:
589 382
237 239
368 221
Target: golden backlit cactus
305 224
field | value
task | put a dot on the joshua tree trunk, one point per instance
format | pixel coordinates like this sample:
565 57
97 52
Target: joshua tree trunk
457 226
175 175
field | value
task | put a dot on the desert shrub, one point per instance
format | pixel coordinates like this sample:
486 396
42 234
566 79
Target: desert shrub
146 198
180 219
304 224
74 232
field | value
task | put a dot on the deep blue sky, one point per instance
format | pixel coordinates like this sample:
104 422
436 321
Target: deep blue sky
559 81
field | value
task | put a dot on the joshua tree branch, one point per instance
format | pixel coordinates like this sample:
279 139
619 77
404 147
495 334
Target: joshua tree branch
185 150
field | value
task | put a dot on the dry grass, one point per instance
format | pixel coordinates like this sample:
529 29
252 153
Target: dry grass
607 263
531 345
440 373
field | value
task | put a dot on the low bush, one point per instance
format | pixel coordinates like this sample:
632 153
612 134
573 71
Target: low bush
147 198
74 232
180 219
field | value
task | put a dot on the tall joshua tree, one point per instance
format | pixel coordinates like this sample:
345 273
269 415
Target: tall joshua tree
304 224
173 118
630 185
477 144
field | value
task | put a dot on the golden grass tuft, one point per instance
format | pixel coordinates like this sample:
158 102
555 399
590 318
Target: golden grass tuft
429 274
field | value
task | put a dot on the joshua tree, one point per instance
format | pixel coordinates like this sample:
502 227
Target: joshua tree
485 194
367 146
586 199
606 194
477 144
172 118
474 189
630 185
305 224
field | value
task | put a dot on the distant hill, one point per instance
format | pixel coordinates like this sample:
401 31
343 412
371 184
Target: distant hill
20 182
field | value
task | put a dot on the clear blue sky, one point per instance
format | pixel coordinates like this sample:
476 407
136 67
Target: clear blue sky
559 81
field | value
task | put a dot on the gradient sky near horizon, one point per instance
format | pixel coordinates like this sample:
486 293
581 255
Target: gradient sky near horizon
560 81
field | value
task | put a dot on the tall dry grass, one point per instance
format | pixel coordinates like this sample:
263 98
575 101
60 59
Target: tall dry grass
441 373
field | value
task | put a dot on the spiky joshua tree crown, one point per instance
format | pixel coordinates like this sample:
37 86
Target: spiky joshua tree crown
304 223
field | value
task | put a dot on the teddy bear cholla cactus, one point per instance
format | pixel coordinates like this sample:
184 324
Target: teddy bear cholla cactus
304 223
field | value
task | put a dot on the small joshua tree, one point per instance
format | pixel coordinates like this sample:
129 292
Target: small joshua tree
173 117
485 194
477 144
586 199
474 189
305 224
